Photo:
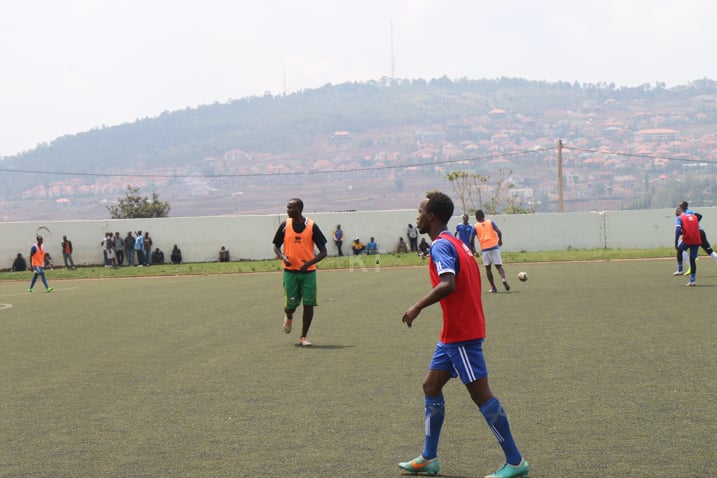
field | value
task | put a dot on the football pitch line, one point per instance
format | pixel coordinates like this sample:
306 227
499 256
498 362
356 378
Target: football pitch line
54 290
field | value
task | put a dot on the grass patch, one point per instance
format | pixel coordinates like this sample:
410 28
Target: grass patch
331 263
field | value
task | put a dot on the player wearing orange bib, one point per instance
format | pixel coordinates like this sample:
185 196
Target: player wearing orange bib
37 262
299 237
490 239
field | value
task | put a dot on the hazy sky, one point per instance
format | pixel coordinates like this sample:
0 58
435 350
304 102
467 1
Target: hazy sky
68 66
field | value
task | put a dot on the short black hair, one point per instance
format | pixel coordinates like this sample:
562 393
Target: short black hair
441 205
480 215
298 202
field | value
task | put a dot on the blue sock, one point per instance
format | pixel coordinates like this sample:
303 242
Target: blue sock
44 281
435 412
497 420
32 282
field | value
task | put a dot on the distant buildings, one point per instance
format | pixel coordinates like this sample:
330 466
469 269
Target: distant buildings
658 135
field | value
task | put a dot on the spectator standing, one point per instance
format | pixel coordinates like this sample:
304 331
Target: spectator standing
139 248
412 234
110 246
66 246
147 248
119 248
104 245
339 239
129 248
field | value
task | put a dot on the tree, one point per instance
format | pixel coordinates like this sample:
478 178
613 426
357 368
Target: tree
503 200
464 185
134 206
467 186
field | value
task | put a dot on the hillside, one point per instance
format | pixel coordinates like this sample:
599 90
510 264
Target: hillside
381 145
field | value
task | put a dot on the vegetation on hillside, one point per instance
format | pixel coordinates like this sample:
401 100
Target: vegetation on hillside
294 124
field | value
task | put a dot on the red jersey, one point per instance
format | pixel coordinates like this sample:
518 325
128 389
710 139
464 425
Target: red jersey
463 317
690 230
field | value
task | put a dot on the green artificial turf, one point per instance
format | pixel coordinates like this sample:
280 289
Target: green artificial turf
604 368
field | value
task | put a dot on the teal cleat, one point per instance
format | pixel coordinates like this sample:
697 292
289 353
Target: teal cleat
511 471
31 290
421 465
50 289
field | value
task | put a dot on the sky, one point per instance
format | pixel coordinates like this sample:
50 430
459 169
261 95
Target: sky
68 66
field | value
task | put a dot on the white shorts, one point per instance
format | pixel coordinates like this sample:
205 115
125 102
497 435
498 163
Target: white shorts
491 257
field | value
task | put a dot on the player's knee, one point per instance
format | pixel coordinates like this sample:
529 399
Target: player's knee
430 389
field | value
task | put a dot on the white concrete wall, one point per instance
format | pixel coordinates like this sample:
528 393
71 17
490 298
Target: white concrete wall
250 237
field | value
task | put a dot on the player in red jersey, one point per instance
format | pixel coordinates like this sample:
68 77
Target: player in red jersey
456 285
688 227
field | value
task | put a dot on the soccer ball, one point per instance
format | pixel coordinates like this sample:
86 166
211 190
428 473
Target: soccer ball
522 276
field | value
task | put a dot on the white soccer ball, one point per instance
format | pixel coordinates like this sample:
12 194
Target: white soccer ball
522 276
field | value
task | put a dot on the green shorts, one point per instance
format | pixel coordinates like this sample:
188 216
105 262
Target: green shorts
298 288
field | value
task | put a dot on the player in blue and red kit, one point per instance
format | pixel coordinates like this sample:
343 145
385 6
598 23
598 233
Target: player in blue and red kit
456 285
688 227
703 235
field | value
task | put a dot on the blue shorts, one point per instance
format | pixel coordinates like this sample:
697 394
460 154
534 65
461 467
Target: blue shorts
39 270
464 359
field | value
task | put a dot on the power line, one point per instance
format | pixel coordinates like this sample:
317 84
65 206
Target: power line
643 156
355 170
254 175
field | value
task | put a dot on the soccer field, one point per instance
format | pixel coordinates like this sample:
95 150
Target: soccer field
605 369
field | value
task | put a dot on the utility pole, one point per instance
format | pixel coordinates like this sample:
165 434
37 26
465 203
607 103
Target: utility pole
560 176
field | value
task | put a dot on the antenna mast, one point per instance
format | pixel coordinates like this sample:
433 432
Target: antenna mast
393 60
